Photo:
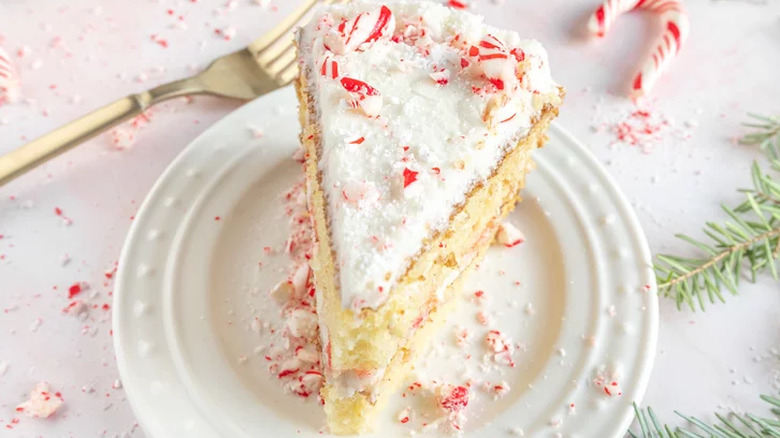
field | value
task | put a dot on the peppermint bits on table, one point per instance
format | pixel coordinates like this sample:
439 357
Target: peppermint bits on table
42 403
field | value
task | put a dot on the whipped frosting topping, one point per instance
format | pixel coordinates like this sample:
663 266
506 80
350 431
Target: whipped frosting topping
417 104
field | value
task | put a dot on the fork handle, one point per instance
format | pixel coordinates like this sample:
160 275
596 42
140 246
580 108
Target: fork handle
62 139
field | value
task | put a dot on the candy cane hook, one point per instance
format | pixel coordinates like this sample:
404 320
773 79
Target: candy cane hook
676 28
9 79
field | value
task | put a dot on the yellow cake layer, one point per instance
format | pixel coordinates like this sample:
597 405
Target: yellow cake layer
357 414
371 341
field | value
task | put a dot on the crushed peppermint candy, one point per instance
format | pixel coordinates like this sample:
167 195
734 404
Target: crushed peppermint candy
77 288
607 381
639 124
457 4
405 415
462 336
501 346
483 318
360 31
509 235
496 390
124 136
360 193
362 96
409 176
42 403
297 364
329 67
441 77
452 401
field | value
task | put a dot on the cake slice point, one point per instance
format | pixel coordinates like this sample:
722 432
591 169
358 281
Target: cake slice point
418 122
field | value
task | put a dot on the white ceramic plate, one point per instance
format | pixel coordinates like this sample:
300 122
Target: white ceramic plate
189 286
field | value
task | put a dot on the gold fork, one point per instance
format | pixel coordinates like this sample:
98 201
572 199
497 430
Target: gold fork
264 65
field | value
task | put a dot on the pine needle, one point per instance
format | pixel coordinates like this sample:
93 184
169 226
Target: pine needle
727 426
748 243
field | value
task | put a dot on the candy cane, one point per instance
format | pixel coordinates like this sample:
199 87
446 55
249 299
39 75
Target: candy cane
676 27
9 78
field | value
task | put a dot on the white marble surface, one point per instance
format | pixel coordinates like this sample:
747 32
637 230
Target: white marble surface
84 53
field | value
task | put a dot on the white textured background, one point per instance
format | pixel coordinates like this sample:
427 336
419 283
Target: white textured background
83 53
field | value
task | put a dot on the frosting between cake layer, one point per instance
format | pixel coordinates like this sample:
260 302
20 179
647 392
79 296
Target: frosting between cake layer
417 103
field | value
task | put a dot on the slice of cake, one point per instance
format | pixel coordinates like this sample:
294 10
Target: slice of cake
418 125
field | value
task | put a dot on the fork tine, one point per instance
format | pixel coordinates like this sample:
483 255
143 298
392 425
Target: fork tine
282 61
270 47
288 74
282 28
278 58
270 54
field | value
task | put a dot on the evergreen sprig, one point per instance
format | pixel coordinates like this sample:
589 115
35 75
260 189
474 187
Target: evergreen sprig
728 426
744 246
766 136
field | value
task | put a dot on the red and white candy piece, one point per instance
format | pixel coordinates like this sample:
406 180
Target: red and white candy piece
509 235
42 403
299 279
364 28
441 77
302 323
311 382
497 341
356 191
676 28
362 96
9 79
452 399
495 61
329 67
405 415
498 390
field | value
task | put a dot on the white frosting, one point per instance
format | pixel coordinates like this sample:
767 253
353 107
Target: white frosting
431 103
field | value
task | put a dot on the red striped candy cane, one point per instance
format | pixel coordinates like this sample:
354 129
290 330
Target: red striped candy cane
676 28
9 78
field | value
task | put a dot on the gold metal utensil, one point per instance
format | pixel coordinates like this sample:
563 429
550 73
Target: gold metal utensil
265 65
